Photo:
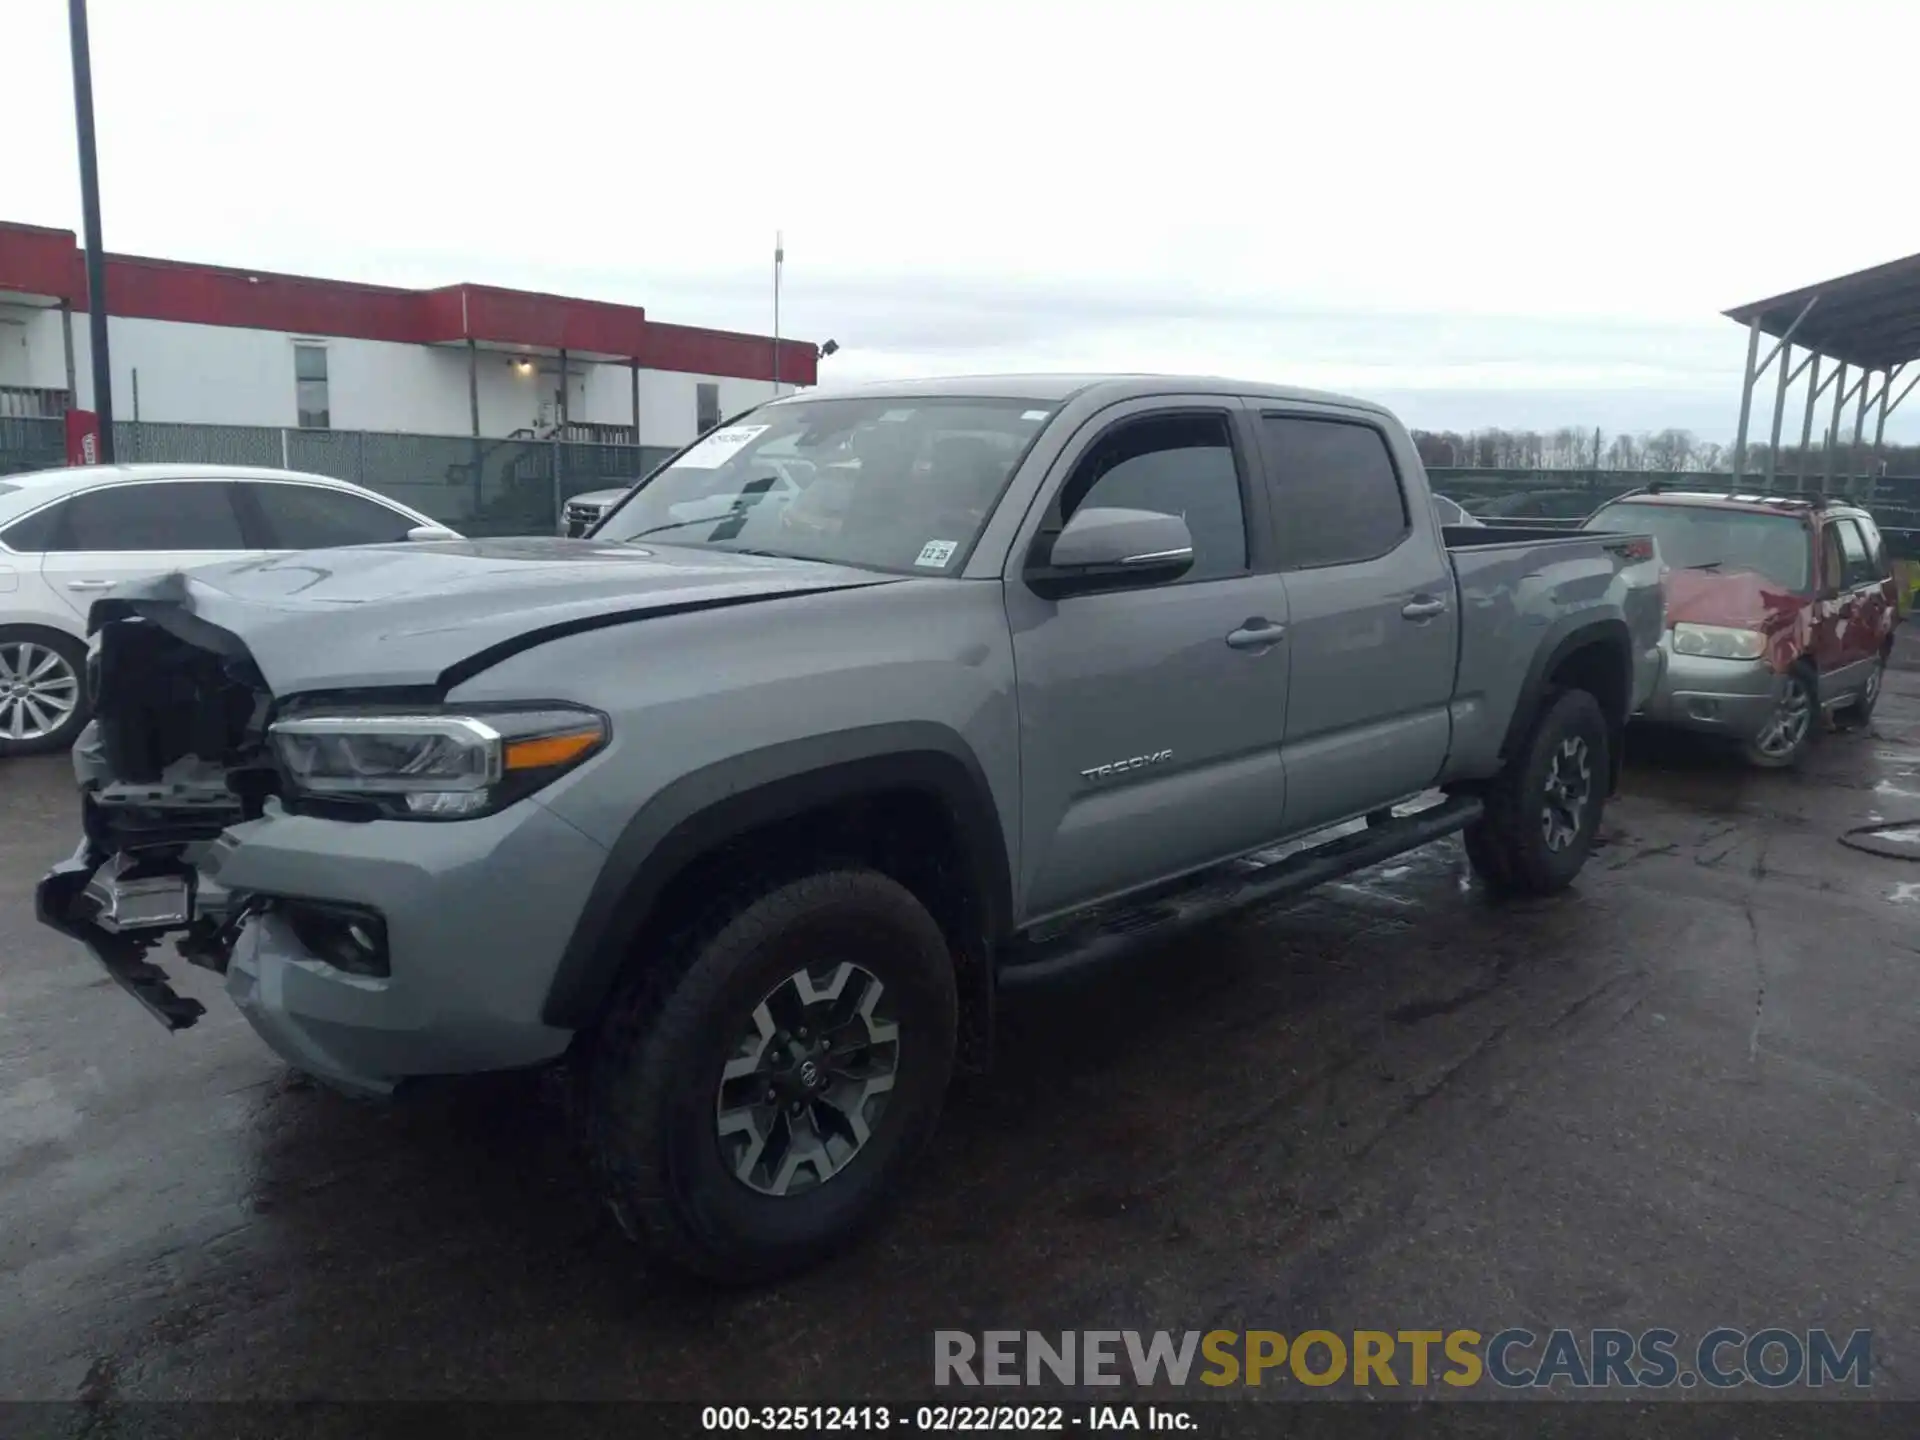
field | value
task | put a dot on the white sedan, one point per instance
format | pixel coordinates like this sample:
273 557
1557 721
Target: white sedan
68 535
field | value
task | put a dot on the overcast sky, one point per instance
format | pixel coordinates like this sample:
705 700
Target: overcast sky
1486 214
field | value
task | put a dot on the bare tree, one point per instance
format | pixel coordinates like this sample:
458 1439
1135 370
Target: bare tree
1574 448
1670 450
1624 453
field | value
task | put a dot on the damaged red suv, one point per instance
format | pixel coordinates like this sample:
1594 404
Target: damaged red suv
1778 609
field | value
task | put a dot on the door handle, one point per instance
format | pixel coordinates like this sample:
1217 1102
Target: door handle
1423 607
89 584
1257 635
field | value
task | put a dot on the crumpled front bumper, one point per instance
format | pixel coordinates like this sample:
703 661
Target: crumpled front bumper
476 914
57 902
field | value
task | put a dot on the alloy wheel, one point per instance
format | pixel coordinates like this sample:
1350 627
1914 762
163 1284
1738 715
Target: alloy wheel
1569 789
39 690
808 1081
1791 718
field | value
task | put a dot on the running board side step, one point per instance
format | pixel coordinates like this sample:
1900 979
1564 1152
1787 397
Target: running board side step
1215 894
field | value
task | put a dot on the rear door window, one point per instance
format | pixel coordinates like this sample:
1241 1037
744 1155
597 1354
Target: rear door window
1337 496
171 515
33 534
313 517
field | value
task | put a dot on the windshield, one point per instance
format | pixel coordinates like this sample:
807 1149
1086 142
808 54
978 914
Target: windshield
1702 537
901 485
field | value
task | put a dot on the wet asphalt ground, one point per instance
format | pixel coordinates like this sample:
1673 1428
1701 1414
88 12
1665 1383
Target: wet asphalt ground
1684 1094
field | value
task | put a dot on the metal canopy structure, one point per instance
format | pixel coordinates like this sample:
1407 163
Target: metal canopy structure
1863 330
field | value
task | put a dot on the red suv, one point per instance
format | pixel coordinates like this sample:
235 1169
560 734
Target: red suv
1777 609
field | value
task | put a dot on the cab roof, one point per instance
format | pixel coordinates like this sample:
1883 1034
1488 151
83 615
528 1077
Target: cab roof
1058 389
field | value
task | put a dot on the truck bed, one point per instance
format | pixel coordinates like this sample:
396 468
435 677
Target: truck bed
1522 587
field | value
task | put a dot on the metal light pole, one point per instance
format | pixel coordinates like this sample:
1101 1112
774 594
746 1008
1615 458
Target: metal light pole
90 211
779 259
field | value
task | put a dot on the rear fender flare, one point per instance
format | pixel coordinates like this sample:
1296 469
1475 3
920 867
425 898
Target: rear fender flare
1566 635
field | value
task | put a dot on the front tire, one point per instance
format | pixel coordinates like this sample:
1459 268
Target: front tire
1543 810
757 1096
1788 734
43 690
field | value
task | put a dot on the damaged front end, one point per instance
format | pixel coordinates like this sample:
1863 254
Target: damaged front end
175 755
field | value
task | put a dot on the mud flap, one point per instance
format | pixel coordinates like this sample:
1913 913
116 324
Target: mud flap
57 903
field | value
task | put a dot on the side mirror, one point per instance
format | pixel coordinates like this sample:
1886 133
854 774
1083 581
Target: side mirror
432 532
1105 548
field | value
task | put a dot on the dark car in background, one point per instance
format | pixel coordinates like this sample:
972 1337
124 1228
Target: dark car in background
1778 609
1534 505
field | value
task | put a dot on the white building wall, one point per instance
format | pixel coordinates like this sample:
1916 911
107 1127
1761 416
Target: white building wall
225 375
376 385
212 375
669 400
14 367
32 352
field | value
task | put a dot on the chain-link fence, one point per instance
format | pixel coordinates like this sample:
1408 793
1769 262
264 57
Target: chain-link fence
1520 496
479 487
517 486
31 444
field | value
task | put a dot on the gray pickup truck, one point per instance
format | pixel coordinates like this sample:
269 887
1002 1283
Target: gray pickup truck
746 817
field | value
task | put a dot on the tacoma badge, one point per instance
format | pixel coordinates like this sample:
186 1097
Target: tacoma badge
1138 762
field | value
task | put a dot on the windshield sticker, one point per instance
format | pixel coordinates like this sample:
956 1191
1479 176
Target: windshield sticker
719 447
936 553
1033 414
894 417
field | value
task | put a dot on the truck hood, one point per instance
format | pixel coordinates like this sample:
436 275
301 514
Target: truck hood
432 614
1743 599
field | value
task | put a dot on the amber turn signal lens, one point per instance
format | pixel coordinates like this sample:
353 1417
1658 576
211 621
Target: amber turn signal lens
550 750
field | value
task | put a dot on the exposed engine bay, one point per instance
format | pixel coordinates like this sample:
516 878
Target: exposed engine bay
175 724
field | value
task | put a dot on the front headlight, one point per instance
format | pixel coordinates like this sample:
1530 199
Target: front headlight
432 765
1718 642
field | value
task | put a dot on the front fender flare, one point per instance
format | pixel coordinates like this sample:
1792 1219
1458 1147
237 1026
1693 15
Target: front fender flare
705 809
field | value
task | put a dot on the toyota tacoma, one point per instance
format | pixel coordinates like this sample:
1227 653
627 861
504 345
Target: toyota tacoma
746 814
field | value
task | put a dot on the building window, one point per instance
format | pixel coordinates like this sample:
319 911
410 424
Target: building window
706 404
310 386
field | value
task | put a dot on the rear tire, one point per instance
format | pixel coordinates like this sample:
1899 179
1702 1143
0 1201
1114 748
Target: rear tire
1543 810
1858 712
719 1148
44 703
